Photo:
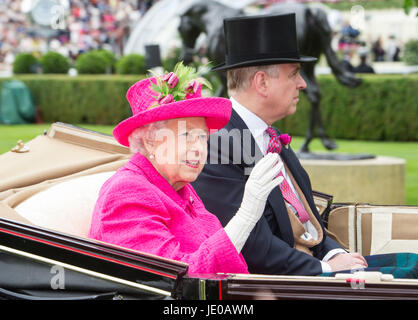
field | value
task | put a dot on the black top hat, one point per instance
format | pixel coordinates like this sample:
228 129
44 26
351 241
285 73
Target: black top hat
261 40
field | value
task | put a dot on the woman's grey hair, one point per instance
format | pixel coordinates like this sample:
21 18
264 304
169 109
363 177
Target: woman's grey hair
240 78
147 131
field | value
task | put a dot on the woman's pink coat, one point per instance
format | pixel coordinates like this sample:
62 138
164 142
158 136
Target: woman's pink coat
138 209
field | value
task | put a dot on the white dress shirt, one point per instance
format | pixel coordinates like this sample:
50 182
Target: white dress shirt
258 127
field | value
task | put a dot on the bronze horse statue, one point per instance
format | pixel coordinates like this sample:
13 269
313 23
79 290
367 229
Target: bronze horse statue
314 38
206 17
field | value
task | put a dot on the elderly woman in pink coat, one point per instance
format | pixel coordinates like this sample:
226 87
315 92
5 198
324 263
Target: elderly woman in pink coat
149 204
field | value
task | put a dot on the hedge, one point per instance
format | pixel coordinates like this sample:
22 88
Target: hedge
54 62
132 64
25 63
83 99
410 55
384 107
96 62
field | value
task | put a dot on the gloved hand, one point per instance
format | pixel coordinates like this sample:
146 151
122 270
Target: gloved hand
261 181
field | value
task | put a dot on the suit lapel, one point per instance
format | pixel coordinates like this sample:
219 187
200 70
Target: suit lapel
292 162
294 166
251 154
251 151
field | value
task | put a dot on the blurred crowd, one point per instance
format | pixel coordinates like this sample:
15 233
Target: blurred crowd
84 25
79 26
358 55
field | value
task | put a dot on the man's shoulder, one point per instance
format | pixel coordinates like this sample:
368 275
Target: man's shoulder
235 123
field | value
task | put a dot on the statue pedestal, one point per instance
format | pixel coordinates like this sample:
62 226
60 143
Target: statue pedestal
376 181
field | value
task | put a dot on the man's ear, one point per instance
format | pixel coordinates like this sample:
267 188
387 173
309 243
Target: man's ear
261 82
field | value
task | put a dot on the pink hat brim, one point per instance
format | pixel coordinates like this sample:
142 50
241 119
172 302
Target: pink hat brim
216 110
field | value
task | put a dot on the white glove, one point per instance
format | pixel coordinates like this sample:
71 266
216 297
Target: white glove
263 178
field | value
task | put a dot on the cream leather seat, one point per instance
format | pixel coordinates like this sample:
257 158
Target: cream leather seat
67 206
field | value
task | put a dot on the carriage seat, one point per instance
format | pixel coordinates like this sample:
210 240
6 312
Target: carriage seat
67 206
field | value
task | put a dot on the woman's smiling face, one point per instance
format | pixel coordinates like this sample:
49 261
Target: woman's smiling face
180 149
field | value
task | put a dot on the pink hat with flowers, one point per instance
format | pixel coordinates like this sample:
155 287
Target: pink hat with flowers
176 94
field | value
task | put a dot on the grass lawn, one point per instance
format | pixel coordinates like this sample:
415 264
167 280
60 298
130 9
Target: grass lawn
406 150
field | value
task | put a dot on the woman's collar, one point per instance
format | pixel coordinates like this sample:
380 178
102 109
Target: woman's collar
142 164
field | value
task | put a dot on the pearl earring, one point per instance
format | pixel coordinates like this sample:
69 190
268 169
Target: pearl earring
151 156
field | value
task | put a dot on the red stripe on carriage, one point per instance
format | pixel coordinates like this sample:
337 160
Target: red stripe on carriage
88 253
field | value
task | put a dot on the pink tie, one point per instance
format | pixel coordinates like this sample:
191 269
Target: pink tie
276 147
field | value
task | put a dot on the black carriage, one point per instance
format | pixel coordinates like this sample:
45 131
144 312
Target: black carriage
40 262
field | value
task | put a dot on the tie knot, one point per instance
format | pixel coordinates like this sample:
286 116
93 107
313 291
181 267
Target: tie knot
274 145
271 132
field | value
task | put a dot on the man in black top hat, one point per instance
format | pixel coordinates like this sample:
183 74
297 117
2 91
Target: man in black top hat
262 63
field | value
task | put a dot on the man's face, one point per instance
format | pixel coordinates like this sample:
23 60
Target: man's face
284 91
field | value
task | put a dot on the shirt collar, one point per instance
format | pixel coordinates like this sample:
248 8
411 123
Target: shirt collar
255 124
140 163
